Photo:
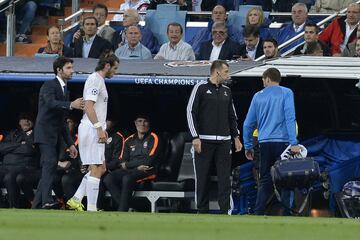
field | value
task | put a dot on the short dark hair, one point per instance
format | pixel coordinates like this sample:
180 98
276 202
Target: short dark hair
251 30
272 73
142 115
176 25
26 116
60 63
217 64
107 58
273 41
311 24
100 5
90 17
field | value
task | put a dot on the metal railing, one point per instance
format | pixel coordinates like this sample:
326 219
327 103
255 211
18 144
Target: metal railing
10 27
300 35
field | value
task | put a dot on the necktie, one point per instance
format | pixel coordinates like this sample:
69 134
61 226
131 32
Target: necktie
65 91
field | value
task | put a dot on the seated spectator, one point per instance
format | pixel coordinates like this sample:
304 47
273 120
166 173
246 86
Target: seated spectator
100 12
90 45
139 160
139 5
342 30
314 49
55 45
133 49
218 14
270 47
312 35
25 13
132 17
221 47
329 6
299 15
19 156
176 48
185 5
255 17
349 50
253 47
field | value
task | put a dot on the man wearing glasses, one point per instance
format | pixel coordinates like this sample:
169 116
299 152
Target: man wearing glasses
220 47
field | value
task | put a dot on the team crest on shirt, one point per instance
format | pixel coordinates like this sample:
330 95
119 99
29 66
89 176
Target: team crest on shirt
225 94
105 99
95 91
109 140
145 144
132 148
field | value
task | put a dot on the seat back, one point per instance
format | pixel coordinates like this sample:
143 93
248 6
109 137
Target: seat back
237 19
169 170
158 20
187 165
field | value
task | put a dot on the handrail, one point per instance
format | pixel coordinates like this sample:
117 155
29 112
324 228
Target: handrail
293 39
7 7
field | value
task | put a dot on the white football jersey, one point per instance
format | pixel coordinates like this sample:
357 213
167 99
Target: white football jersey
95 90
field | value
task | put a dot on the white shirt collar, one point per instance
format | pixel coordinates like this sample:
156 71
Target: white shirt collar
62 83
298 28
100 28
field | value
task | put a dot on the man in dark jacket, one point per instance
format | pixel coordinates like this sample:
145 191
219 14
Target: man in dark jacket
90 45
253 47
212 123
51 126
19 155
220 47
138 161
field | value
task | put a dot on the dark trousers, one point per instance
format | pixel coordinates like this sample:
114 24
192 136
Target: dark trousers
218 152
269 153
48 163
10 178
121 183
27 181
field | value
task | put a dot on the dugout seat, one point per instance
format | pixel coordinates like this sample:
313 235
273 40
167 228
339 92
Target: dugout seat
158 20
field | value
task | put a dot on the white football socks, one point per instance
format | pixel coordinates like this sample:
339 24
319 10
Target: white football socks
92 192
81 191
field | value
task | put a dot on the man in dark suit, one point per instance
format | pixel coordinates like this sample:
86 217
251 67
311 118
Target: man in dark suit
50 126
90 45
253 47
220 47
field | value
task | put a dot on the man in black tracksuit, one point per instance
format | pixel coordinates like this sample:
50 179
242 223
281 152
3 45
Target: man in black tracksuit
212 122
138 160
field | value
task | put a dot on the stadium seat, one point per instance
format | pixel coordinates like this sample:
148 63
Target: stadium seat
238 18
176 175
158 20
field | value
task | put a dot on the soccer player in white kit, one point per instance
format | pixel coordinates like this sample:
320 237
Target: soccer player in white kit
92 134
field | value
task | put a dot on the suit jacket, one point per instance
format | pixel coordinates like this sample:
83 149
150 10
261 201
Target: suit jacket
50 123
97 48
106 33
259 50
230 50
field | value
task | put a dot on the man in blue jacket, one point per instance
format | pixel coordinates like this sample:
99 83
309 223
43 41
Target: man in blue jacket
272 111
218 15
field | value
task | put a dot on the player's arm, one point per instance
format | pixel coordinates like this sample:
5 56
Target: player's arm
91 114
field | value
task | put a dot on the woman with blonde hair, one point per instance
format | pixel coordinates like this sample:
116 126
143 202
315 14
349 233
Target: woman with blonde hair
255 17
55 45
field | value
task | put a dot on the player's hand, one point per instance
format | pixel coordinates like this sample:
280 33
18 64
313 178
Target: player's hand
76 36
144 168
238 145
73 151
123 165
249 154
78 103
197 145
102 135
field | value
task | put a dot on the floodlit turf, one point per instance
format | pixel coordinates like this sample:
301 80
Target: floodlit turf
64 225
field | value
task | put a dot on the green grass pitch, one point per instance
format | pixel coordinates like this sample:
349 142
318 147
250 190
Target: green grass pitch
53 225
